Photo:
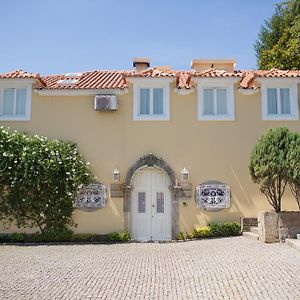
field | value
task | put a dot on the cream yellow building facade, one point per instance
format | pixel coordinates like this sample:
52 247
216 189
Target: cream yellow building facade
205 121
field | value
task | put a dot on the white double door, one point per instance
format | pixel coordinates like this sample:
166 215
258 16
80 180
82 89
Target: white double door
151 206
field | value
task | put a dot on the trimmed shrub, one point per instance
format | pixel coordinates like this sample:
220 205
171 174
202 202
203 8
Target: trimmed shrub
65 236
53 236
225 229
123 236
217 230
84 237
202 232
18 237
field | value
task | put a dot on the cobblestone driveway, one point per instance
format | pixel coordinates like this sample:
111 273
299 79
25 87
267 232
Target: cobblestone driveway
232 268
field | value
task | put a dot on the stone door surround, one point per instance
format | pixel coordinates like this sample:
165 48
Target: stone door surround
151 160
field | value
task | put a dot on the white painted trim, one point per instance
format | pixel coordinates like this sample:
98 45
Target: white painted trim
216 81
292 85
67 81
136 96
80 92
17 85
277 80
183 91
150 80
226 84
16 82
248 92
73 74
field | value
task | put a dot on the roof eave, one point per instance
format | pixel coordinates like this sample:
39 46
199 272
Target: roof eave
80 92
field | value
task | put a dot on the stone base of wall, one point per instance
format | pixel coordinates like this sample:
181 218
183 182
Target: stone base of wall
247 223
276 227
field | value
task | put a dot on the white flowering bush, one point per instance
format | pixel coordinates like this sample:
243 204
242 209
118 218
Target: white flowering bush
39 179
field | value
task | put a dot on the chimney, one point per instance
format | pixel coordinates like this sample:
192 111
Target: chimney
141 64
201 65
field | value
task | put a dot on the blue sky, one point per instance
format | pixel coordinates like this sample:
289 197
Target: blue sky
60 36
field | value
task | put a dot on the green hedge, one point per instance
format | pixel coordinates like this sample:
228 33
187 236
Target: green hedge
65 236
213 230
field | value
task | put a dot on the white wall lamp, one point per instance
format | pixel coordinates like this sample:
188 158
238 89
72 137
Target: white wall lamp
184 174
116 175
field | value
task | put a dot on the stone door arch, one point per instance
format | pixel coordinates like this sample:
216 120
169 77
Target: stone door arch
151 160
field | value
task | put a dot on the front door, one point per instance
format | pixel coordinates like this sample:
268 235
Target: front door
151 205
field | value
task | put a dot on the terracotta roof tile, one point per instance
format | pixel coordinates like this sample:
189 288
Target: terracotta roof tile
218 73
117 79
183 80
20 74
153 73
88 80
248 81
278 73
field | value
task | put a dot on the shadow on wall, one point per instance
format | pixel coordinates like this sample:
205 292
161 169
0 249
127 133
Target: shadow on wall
240 195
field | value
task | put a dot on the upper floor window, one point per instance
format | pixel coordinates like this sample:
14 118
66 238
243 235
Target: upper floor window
15 103
280 102
151 102
215 101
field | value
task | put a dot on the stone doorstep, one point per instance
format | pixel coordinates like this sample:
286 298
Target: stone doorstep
254 229
295 243
251 235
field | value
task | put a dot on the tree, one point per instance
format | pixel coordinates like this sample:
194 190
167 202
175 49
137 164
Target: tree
294 167
278 44
39 179
269 166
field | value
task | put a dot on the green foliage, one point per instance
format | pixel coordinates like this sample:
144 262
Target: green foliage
225 229
202 232
65 235
123 236
189 236
4 238
83 237
217 230
39 179
55 235
18 237
278 44
293 158
181 236
269 166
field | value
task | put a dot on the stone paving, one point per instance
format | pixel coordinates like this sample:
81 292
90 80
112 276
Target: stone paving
228 268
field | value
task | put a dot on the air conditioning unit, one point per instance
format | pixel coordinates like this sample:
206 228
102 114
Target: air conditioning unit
106 102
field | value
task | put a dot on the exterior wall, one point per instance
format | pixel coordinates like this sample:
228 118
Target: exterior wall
211 150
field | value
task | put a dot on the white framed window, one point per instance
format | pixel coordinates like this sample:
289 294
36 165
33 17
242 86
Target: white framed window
15 103
279 101
215 100
151 100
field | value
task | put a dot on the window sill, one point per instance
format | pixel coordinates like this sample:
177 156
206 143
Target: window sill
216 118
280 118
151 118
14 118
